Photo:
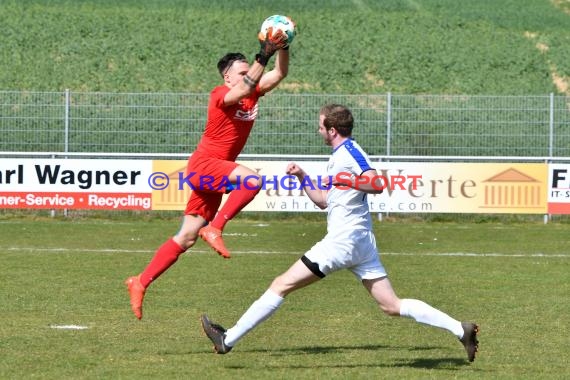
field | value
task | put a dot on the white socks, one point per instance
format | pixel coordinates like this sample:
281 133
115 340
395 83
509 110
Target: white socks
269 302
258 312
424 313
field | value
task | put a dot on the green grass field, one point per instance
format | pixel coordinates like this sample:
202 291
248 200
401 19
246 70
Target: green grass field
510 278
489 47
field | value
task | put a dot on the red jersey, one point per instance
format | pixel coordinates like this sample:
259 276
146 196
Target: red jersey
227 127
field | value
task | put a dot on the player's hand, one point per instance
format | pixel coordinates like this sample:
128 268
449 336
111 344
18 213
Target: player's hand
294 169
327 182
272 41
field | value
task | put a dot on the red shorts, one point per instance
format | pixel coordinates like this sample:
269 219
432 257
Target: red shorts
208 177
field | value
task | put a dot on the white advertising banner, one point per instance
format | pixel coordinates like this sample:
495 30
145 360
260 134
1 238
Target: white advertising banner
75 184
559 189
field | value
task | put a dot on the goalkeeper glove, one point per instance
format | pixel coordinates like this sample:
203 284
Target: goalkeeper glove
269 44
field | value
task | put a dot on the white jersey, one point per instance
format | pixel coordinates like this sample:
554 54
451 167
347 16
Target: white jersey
347 208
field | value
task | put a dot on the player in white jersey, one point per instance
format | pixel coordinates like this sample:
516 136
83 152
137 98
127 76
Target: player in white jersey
348 244
347 207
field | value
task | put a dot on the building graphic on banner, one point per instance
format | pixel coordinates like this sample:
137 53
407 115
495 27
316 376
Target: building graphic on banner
513 189
172 198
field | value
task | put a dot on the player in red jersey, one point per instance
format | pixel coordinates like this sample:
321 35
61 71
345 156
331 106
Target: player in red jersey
232 110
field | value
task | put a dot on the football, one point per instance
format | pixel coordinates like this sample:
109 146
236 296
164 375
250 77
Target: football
283 23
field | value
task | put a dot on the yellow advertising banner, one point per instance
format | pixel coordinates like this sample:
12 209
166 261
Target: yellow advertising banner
466 188
409 187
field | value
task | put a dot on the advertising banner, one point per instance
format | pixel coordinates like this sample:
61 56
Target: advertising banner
408 187
75 184
559 189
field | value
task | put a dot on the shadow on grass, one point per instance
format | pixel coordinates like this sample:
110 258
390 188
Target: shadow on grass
307 349
332 349
439 363
445 364
323 349
425 363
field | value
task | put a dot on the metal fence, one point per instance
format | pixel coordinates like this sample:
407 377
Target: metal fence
386 124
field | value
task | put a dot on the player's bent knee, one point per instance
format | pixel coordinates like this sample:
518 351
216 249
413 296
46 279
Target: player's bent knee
253 183
281 287
390 310
186 242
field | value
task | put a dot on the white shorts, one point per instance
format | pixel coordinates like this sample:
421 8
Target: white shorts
355 251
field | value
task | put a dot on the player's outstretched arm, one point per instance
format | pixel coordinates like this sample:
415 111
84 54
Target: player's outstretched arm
270 43
246 86
272 78
315 194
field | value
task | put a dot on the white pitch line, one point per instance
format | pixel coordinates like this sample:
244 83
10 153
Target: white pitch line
34 249
68 327
441 254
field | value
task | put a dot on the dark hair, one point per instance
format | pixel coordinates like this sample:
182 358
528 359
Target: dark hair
227 61
338 117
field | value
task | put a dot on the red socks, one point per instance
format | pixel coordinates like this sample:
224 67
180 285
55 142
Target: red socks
168 252
164 257
237 200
